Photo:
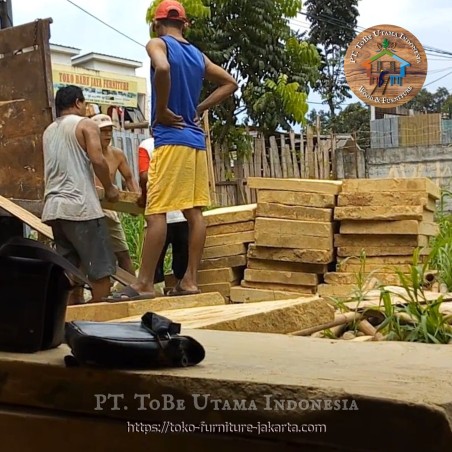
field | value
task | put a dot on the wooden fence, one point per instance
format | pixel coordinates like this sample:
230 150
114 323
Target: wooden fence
404 131
287 155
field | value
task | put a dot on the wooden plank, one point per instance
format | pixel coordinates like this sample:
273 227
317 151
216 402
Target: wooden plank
26 217
307 256
278 277
389 199
230 239
381 251
296 168
339 291
213 276
334 174
299 290
258 157
35 223
299 185
362 213
282 316
383 241
354 267
126 203
276 239
294 212
124 277
342 278
224 289
222 262
285 172
101 312
225 215
402 227
263 264
318 152
309 161
294 227
215 252
391 260
423 185
241 294
265 157
230 228
326 159
275 164
294 198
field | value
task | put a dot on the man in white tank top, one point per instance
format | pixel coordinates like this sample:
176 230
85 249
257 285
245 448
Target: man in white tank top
72 150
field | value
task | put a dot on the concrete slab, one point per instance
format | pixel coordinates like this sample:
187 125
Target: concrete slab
402 391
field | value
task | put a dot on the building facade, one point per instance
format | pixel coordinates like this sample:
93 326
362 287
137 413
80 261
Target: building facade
109 83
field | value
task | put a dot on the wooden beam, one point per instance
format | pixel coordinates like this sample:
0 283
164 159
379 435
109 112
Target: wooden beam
127 202
102 312
27 217
35 223
281 316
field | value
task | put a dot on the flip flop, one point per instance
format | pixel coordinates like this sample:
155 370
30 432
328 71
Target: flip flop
177 291
128 294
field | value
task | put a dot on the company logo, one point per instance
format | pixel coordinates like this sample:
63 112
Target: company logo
385 66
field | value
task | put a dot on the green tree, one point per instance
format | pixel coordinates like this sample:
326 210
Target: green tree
332 28
354 120
274 66
427 102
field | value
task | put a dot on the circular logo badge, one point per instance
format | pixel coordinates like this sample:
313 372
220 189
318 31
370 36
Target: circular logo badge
385 66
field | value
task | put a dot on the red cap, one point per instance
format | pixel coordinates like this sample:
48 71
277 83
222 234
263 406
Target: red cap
170 9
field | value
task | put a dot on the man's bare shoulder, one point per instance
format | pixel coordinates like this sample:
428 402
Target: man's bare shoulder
117 151
87 124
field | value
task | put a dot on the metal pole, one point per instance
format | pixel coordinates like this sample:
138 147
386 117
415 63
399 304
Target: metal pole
6 14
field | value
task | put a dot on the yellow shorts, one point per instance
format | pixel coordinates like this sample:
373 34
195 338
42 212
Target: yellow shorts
178 179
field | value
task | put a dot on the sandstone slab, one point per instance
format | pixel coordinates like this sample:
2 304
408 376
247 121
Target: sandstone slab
100 312
229 239
223 262
272 210
422 185
295 198
281 277
241 294
301 185
315 256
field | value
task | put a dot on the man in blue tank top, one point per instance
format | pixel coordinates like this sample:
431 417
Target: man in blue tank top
178 177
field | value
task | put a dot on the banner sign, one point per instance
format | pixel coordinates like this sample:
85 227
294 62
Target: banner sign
98 89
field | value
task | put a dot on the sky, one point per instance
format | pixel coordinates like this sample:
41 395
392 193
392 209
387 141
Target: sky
429 21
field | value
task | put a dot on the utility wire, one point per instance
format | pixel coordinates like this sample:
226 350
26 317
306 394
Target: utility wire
105 23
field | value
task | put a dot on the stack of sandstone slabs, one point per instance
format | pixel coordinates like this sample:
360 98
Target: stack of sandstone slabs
229 231
294 232
387 219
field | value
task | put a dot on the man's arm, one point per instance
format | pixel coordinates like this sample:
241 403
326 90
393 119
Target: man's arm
126 172
156 49
91 135
227 85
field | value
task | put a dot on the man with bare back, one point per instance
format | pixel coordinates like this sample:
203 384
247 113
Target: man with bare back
117 161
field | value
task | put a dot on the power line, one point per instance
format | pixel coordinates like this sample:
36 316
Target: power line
338 22
105 23
438 79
